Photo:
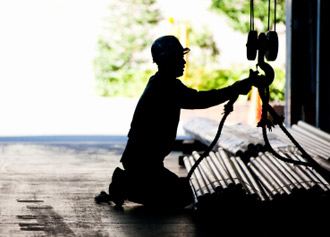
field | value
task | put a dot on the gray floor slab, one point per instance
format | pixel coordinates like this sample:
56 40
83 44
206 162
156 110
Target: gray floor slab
47 189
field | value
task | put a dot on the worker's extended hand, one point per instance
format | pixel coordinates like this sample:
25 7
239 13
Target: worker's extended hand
253 76
243 87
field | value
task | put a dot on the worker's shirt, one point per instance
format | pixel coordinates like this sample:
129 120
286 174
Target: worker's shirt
156 117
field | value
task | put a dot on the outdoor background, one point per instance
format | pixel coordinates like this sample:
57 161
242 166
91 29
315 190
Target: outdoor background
52 53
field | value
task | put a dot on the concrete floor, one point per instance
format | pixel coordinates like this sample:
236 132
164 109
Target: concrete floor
47 189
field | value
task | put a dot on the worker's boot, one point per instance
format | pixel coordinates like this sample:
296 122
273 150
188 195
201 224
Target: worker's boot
118 187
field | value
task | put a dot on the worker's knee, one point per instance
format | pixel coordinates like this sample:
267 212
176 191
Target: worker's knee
160 188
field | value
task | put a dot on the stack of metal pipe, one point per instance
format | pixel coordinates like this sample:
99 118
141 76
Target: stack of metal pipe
241 169
315 141
283 181
263 178
236 139
222 178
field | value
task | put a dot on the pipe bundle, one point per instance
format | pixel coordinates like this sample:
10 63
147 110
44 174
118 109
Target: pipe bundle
282 181
221 179
315 141
240 169
236 139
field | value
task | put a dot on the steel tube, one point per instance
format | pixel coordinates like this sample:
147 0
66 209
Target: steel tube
229 168
201 177
310 135
267 174
294 169
243 179
216 173
269 196
275 174
222 171
300 171
262 177
208 176
311 174
201 184
321 179
277 171
265 183
311 145
251 179
314 130
286 171
193 181
217 156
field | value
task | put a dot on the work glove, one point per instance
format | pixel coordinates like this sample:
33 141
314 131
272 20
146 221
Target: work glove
244 86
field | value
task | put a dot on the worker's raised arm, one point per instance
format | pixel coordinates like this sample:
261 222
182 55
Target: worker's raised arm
193 99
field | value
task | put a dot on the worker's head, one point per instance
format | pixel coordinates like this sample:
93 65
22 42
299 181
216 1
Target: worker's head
168 53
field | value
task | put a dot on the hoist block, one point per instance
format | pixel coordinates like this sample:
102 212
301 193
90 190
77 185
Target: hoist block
252 45
267 43
272 41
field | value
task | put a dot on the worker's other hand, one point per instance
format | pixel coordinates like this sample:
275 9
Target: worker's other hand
253 76
243 87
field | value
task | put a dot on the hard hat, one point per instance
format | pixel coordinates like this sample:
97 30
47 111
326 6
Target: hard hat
166 47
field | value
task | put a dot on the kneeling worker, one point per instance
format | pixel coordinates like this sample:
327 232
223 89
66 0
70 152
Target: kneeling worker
153 131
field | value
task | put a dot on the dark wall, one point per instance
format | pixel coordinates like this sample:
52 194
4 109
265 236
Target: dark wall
309 100
324 94
303 48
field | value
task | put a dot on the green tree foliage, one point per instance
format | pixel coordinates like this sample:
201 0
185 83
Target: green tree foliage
121 48
202 40
238 12
122 63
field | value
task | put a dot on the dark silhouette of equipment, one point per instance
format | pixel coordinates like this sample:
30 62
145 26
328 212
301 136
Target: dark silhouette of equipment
267 42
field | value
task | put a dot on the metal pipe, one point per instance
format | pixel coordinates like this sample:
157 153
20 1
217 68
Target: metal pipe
289 168
243 179
316 131
201 184
217 156
297 173
275 174
267 193
267 174
293 182
265 183
222 171
308 171
310 142
208 176
229 168
193 181
252 181
201 177
310 146
321 178
216 173
312 137
277 171
300 170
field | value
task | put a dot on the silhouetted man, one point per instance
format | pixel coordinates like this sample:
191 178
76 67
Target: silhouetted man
153 131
